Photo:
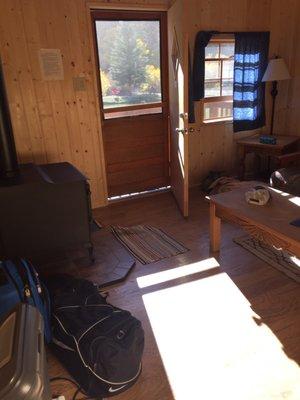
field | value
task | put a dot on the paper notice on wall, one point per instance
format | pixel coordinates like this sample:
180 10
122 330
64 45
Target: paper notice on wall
51 64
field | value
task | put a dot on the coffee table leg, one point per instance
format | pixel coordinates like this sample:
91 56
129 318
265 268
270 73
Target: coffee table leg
215 229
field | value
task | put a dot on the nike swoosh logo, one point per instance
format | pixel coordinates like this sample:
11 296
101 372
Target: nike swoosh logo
112 390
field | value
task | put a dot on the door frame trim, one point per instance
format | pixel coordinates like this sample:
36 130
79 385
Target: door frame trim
96 5
97 104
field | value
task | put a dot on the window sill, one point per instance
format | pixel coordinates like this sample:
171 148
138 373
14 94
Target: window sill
218 121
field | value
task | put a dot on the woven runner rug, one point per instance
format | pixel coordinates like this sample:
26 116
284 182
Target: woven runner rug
280 259
147 243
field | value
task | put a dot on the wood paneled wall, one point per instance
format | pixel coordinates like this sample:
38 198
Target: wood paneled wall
212 146
52 122
285 18
292 105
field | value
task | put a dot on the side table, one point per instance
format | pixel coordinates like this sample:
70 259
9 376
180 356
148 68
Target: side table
284 145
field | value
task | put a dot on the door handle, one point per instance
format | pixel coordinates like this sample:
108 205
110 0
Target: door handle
183 131
183 115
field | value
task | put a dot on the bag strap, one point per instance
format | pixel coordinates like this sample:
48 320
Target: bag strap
35 276
40 297
25 276
41 288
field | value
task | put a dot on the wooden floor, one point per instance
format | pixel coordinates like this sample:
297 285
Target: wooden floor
217 327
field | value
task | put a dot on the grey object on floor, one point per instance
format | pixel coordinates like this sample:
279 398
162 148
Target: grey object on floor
23 363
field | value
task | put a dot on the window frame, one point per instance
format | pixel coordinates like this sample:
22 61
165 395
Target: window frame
219 39
133 15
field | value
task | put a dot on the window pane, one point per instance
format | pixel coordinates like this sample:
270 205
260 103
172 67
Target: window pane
212 89
227 50
218 110
129 55
227 69
212 69
212 50
227 87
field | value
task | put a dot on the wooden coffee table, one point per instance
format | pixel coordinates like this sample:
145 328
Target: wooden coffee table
270 223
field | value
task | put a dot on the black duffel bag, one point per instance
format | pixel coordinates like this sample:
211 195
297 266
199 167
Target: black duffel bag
100 345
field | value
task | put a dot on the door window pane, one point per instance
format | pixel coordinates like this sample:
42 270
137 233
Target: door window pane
129 57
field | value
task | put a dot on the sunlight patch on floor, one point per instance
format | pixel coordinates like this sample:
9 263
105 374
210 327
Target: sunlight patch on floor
212 348
284 194
295 260
135 194
295 200
179 272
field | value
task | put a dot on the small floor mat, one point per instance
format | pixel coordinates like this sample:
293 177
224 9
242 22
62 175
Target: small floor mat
280 259
147 243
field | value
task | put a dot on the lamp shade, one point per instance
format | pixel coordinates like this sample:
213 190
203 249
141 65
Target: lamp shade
276 71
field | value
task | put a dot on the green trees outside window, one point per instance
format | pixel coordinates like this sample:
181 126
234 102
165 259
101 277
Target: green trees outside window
129 54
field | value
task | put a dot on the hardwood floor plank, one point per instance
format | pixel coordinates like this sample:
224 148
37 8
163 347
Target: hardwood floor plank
233 326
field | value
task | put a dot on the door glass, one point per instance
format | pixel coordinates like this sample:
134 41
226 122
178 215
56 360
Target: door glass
129 58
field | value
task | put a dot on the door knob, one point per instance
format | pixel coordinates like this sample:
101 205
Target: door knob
183 115
184 130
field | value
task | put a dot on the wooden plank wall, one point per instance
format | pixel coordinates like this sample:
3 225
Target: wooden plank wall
292 105
54 123
51 121
285 32
212 146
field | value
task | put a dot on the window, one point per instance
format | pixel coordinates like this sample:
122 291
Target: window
218 92
130 67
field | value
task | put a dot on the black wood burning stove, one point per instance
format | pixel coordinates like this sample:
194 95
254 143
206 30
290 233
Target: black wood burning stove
42 207
47 210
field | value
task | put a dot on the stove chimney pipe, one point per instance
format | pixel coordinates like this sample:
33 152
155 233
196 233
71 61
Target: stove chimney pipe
9 167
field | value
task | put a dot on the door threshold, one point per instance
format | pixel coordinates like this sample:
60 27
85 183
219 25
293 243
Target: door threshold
138 195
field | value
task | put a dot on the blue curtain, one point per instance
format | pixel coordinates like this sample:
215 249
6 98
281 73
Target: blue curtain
196 81
201 41
250 63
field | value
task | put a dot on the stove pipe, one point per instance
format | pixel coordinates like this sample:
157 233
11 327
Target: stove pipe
9 167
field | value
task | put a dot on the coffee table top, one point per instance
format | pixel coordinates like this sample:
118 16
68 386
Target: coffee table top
276 215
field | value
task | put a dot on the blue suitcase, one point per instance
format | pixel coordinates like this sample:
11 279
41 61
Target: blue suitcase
20 283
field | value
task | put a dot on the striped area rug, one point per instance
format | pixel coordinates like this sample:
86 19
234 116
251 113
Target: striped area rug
280 259
147 243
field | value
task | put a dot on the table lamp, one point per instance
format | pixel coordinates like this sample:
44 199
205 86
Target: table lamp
276 71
